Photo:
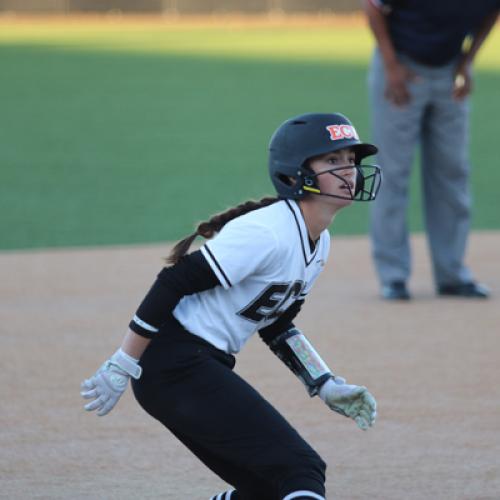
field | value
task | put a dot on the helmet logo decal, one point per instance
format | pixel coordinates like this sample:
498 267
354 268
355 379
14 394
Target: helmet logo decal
338 132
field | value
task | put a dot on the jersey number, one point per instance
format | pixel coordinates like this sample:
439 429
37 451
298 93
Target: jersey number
267 305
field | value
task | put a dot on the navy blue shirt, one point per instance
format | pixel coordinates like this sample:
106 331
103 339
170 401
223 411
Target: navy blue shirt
432 32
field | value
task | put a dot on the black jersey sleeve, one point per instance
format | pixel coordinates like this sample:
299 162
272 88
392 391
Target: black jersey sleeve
191 274
282 324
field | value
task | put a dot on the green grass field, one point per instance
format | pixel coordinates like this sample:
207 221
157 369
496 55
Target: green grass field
130 132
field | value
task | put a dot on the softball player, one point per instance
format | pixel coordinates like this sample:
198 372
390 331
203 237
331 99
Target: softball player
252 275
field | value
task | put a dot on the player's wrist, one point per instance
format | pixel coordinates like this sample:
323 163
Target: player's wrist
126 363
330 385
326 388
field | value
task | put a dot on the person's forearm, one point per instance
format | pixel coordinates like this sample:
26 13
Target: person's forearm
479 37
134 345
378 26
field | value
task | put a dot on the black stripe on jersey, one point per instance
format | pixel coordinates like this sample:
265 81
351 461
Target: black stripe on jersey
302 236
218 265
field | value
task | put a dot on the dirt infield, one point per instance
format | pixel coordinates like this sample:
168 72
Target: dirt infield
433 365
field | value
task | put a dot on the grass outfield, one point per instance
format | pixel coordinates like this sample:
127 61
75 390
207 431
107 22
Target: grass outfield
130 131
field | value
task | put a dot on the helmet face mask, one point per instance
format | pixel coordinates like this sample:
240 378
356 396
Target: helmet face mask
304 137
366 186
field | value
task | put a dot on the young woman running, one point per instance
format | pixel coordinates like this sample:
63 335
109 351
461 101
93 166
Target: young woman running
253 274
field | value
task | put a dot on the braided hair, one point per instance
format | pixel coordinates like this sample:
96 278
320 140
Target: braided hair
209 228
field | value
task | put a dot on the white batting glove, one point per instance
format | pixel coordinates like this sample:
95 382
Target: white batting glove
352 401
110 382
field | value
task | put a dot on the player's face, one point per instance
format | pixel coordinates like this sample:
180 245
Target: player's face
340 182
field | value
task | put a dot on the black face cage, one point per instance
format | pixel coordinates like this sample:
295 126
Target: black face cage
368 181
371 178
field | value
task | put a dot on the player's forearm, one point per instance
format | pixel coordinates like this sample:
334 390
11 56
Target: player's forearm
134 345
479 38
293 348
378 25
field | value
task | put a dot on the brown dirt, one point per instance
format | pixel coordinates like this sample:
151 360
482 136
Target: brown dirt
433 365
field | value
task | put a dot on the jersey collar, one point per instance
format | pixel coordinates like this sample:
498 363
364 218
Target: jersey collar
302 229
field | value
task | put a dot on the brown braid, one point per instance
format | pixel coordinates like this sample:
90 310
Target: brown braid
209 228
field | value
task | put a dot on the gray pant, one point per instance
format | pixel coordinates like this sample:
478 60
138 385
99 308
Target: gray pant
439 125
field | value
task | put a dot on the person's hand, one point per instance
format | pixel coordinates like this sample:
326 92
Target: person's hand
352 401
109 382
462 83
398 77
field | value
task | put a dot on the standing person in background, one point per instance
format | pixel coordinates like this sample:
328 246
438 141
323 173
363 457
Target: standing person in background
420 79
253 274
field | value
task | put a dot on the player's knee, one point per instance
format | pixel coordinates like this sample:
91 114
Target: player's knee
308 476
313 466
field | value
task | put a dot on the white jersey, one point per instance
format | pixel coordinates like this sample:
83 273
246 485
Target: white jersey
264 261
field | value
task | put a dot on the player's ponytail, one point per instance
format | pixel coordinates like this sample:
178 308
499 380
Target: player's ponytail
210 228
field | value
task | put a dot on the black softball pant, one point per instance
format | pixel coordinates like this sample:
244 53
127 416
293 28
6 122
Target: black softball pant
189 386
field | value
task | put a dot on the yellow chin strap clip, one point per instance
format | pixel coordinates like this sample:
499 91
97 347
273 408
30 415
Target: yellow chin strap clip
311 189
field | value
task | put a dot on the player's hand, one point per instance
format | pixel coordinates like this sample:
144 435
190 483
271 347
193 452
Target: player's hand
109 382
352 401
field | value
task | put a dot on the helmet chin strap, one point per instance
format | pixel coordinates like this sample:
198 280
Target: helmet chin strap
312 190
319 193
315 190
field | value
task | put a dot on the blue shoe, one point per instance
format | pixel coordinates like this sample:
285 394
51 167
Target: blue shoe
468 290
396 290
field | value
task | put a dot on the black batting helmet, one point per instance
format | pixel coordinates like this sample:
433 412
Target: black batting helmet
306 136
